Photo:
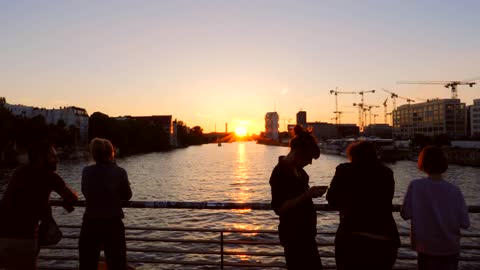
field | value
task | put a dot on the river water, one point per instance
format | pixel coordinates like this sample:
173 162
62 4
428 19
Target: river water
237 172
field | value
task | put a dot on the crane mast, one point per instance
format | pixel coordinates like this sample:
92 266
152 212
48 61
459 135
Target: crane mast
337 112
369 109
362 108
385 111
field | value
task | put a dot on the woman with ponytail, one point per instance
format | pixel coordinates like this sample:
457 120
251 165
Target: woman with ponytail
292 202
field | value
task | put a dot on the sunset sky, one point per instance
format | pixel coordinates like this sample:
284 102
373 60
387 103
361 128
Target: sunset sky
212 62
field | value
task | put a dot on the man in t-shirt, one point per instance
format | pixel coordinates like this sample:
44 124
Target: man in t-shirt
26 202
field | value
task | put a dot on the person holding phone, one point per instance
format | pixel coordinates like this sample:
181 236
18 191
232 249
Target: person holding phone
292 202
362 190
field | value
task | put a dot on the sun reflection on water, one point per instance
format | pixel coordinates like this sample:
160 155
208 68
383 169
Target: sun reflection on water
241 176
242 194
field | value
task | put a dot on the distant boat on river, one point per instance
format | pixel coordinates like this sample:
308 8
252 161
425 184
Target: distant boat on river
386 148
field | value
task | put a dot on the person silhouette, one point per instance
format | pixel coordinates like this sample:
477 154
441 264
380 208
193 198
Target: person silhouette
292 202
105 187
437 211
26 202
362 190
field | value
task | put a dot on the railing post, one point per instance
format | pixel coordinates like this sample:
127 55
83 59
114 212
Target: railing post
221 250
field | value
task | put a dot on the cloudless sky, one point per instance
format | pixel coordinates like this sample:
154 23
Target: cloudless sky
212 62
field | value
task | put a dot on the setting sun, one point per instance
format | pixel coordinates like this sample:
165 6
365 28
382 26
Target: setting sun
241 131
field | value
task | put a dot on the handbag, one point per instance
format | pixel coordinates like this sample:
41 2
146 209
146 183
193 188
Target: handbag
48 232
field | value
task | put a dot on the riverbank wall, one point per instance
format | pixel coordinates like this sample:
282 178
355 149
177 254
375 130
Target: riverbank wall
463 156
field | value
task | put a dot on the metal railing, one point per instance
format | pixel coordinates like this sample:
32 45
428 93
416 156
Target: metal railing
217 245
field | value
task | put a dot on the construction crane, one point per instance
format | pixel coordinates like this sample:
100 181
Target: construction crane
362 108
453 87
339 117
394 96
447 84
361 93
390 114
336 92
334 118
385 111
362 113
284 126
369 109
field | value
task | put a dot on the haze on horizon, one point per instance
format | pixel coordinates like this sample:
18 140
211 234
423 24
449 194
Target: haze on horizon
209 62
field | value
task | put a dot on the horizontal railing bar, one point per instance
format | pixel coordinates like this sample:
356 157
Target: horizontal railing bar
232 253
228 230
51 267
245 242
197 241
226 242
158 239
223 205
178 229
326 266
135 260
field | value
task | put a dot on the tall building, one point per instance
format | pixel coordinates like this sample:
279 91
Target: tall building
434 117
475 118
271 125
324 131
302 119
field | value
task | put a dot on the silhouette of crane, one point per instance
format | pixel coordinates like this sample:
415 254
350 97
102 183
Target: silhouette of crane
369 109
284 126
453 87
337 112
394 96
390 114
362 93
447 84
362 113
385 111
361 108
334 118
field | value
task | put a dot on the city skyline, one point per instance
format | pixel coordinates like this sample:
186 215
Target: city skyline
209 63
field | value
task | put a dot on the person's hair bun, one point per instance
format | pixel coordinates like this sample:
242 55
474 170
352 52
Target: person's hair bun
298 130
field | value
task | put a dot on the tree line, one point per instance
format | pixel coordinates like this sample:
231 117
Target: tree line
129 136
17 133
132 136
